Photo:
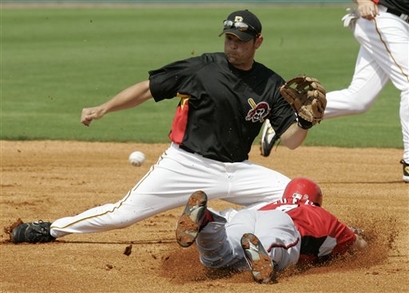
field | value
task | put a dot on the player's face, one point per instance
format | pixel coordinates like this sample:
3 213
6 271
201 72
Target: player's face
241 54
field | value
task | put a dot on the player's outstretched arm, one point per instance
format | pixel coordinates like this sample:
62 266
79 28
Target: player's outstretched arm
128 98
293 136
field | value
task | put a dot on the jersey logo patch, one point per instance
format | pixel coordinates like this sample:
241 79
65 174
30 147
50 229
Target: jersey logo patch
258 112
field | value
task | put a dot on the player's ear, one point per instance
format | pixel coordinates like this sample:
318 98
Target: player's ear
258 41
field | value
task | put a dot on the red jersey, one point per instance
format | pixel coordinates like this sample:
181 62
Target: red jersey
322 235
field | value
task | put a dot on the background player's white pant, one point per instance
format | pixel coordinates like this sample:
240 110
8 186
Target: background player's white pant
382 57
170 182
219 242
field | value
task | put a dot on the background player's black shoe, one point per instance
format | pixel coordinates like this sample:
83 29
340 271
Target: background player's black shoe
405 171
268 139
33 232
261 265
190 222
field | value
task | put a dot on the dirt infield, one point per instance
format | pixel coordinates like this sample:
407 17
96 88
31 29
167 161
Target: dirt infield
50 179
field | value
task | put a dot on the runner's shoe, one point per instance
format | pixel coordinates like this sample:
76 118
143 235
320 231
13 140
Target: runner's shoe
261 265
190 222
33 232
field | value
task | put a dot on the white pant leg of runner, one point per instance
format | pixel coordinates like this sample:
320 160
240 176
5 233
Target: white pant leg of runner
167 185
279 236
219 242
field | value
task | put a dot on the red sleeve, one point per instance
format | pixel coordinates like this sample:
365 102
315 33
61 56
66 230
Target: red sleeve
333 237
345 238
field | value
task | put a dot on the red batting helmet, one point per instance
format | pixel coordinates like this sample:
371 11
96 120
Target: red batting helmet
303 189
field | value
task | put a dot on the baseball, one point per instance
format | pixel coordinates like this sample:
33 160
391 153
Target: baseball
137 158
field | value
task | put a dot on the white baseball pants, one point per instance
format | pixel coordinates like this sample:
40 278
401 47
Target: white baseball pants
219 242
170 182
383 56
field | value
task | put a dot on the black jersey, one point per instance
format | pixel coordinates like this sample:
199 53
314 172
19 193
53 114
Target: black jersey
401 6
222 108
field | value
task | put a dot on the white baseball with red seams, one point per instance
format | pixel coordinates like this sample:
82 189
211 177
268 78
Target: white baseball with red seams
136 158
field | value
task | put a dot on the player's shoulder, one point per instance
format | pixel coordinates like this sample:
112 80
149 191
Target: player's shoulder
213 57
262 69
200 62
207 59
319 211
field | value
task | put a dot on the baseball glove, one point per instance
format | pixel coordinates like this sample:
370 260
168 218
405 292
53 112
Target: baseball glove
306 96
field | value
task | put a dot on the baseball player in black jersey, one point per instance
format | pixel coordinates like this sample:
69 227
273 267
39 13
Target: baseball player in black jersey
224 100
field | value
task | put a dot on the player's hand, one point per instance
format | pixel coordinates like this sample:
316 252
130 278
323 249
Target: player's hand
367 9
89 114
307 96
359 243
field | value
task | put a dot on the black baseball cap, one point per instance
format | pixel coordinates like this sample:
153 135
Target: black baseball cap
236 22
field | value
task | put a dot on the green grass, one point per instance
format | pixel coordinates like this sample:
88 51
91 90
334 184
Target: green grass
57 61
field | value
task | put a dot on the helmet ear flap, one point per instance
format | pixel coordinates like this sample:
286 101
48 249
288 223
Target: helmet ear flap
303 189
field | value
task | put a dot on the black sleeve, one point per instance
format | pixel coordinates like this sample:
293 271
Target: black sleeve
165 81
401 6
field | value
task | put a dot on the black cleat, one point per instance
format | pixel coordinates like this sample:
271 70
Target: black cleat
33 232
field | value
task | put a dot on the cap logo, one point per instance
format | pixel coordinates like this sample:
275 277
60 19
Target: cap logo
238 19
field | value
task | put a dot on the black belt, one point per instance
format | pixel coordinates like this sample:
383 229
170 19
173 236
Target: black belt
399 14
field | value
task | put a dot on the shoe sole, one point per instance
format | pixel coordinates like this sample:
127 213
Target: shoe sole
189 222
265 145
261 265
